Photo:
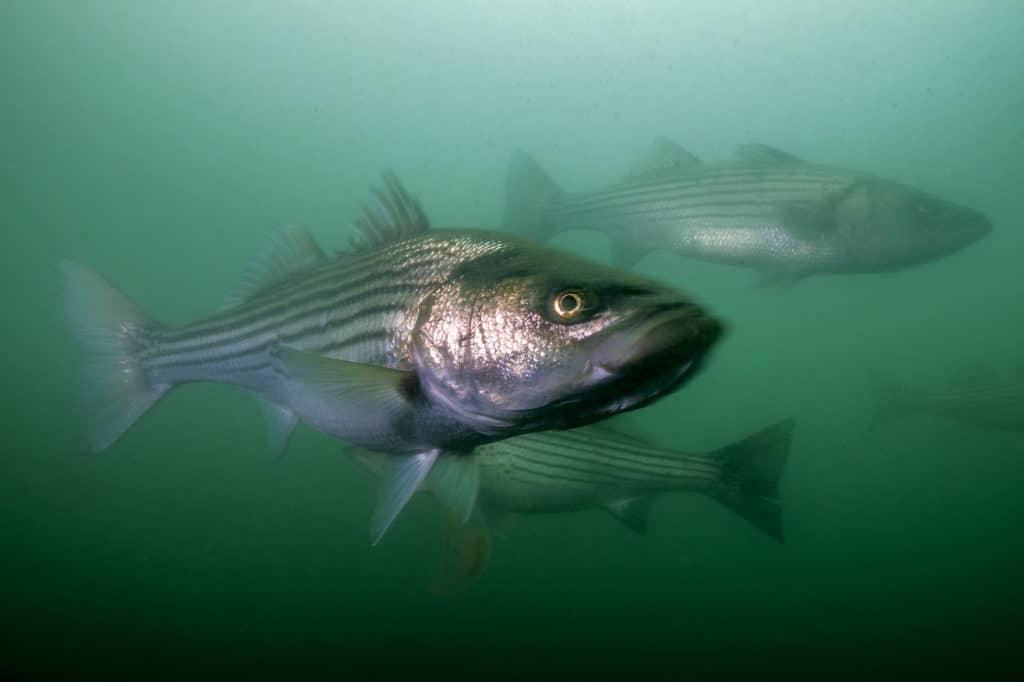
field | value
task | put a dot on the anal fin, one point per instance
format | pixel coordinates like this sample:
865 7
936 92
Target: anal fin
634 513
280 424
455 480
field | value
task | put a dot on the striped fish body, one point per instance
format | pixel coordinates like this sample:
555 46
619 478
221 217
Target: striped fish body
485 368
415 342
564 471
359 307
594 467
723 213
768 211
982 402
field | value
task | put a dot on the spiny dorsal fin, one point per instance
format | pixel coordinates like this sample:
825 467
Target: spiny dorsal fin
765 154
393 216
288 250
664 157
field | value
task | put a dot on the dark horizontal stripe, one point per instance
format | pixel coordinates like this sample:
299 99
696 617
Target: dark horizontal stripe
660 214
231 352
679 188
597 444
326 349
566 471
333 281
328 304
726 169
679 194
624 447
607 452
676 202
606 465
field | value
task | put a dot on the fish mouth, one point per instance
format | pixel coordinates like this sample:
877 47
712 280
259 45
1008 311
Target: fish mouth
669 343
966 224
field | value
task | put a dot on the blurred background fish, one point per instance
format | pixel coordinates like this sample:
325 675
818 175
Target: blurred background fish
768 210
598 467
979 398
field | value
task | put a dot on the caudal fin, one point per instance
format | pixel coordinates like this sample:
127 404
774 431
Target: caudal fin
889 399
749 480
113 390
529 192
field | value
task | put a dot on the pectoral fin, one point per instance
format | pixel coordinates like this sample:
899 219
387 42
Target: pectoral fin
358 402
401 479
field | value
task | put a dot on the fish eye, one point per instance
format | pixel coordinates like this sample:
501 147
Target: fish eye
568 304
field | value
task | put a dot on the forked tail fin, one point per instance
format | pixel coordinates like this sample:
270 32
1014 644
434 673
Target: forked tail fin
749 480
113 390
529 192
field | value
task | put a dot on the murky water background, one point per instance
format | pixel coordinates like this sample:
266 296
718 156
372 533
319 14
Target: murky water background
160 143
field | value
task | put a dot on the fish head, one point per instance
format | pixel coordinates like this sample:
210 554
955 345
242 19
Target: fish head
533 338
886 225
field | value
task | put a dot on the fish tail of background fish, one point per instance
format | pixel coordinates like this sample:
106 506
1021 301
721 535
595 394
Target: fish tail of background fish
113 388
530 193
748 482
889 399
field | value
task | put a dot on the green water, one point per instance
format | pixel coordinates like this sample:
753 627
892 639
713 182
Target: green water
160 143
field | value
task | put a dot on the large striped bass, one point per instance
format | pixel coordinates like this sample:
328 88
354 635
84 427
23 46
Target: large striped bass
767 210
594 467
415 342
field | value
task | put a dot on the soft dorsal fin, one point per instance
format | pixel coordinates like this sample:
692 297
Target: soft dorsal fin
393 216
663 157
763 153
288 250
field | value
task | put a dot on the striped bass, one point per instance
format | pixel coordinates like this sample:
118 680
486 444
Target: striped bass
596 467
768 210
982 399
415 342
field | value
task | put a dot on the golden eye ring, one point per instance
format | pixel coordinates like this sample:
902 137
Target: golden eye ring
568 304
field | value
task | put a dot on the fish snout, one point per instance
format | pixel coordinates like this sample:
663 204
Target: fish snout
665 341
